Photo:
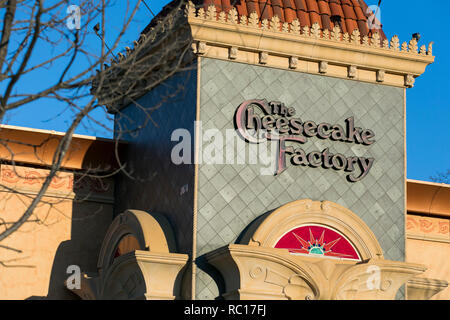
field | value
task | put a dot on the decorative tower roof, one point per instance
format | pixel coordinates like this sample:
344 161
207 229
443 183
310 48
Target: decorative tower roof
309 41
347 14
337 38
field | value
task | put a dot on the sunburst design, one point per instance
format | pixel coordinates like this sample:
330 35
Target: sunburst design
317 246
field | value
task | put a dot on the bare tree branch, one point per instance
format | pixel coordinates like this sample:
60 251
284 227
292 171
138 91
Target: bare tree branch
81 81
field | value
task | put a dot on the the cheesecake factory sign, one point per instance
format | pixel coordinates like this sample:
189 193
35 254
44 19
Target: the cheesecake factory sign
259 120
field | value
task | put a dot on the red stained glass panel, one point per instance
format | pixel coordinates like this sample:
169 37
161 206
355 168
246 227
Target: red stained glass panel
317 241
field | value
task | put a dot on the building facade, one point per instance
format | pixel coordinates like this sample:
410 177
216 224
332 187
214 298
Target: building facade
277 168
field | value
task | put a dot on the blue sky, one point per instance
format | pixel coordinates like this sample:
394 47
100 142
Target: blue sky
428 103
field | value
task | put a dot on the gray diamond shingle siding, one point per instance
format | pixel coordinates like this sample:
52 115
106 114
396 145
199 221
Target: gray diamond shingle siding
231 196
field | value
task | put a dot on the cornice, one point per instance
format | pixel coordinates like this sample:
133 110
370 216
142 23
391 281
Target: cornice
227 36
37 148
423 288
287 45
430 199
422 237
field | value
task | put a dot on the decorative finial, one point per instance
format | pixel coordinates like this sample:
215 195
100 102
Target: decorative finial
376 40
315 30
413 46
295 26
356 37
254 19
430 49
395 43
275 23
336 33
190 9
211 13
233 15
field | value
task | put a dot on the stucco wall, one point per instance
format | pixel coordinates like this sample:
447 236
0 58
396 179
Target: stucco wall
231 196
428 243
60 232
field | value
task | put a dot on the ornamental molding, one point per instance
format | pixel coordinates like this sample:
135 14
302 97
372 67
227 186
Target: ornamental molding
274 274
275 44
137 261
266 231
428 228
188 32
424 289
269 273
64 186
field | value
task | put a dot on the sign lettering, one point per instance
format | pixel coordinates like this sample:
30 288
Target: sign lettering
258 120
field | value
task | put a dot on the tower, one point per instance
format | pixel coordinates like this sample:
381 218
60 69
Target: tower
325 88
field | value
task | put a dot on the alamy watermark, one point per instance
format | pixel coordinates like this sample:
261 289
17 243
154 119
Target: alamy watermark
74 17
74 280
374 279
374 17
218 147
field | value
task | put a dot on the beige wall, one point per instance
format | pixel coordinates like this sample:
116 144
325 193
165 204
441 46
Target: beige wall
64 231
428 243
60 232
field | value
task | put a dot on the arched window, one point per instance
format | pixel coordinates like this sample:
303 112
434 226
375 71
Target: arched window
318 241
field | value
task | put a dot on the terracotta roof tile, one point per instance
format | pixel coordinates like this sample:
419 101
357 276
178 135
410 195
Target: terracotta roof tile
266 9
349 12
360 14
351 25
226 5
315 17
304 18
353 14
290 14
363 5
301 5
289 4
363 28
277 3
336 9
278 9
326 22
312 6
324 8
252 6
242 10
207 3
